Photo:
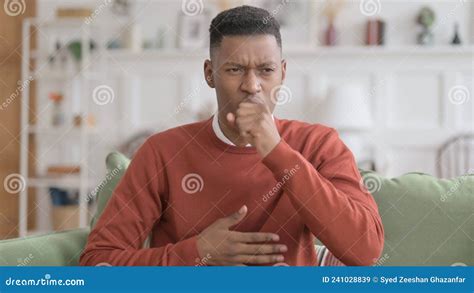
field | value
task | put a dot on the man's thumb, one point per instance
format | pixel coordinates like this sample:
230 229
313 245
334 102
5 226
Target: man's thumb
235 217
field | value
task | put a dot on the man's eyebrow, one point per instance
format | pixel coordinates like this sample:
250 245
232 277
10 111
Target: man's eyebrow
267 64
264 64
233 64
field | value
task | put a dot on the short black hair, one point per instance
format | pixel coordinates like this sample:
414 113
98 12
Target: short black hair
243 21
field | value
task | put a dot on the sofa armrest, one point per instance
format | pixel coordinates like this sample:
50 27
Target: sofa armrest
54 249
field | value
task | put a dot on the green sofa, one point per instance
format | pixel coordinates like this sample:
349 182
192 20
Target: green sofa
427 221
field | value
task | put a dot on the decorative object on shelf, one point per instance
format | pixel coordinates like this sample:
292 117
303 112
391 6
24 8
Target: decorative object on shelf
193 30
347 109
330 11
58 115
73 12
426 18
160 38
148 44
77 120
375 32
291 14
132 38
121 7
114 44
456 39
225 4
58 58
63 197
90 120
75 48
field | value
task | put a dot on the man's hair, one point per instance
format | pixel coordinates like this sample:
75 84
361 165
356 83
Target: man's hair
243 21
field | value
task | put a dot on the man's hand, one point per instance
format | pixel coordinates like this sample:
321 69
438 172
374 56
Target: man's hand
230 248
254 121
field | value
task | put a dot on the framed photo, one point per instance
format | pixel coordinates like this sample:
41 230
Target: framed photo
295 18
193 31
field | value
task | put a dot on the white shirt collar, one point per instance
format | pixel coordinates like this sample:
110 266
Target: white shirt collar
218 131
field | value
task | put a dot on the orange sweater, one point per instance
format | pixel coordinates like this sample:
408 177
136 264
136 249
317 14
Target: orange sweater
183 179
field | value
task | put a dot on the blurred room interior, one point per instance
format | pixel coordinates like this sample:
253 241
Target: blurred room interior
80 79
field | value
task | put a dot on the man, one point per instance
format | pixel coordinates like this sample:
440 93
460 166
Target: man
243 187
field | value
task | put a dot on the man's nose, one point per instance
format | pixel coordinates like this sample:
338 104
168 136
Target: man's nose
250 83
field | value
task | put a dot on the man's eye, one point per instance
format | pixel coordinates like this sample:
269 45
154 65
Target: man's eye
268 70
234 70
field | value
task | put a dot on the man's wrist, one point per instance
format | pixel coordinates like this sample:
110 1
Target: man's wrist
266 148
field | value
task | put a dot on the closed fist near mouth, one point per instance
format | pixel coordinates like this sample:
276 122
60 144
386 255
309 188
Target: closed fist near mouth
255 124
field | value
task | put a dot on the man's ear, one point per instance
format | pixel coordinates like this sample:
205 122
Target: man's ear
283 70
208 73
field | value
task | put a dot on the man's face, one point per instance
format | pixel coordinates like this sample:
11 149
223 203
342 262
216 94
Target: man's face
245 66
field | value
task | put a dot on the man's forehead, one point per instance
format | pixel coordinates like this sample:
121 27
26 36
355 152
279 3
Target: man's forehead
259 49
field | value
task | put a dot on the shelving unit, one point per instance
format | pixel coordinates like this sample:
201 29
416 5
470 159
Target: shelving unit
83 133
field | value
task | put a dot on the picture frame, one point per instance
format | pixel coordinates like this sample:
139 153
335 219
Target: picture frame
193 31
297 26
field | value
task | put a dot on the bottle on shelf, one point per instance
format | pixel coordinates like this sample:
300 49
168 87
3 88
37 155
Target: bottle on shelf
57 118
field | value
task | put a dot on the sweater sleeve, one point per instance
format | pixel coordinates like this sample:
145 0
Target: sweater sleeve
328 195
134 207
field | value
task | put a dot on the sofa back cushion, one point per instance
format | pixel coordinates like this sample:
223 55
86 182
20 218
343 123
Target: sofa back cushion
427 220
